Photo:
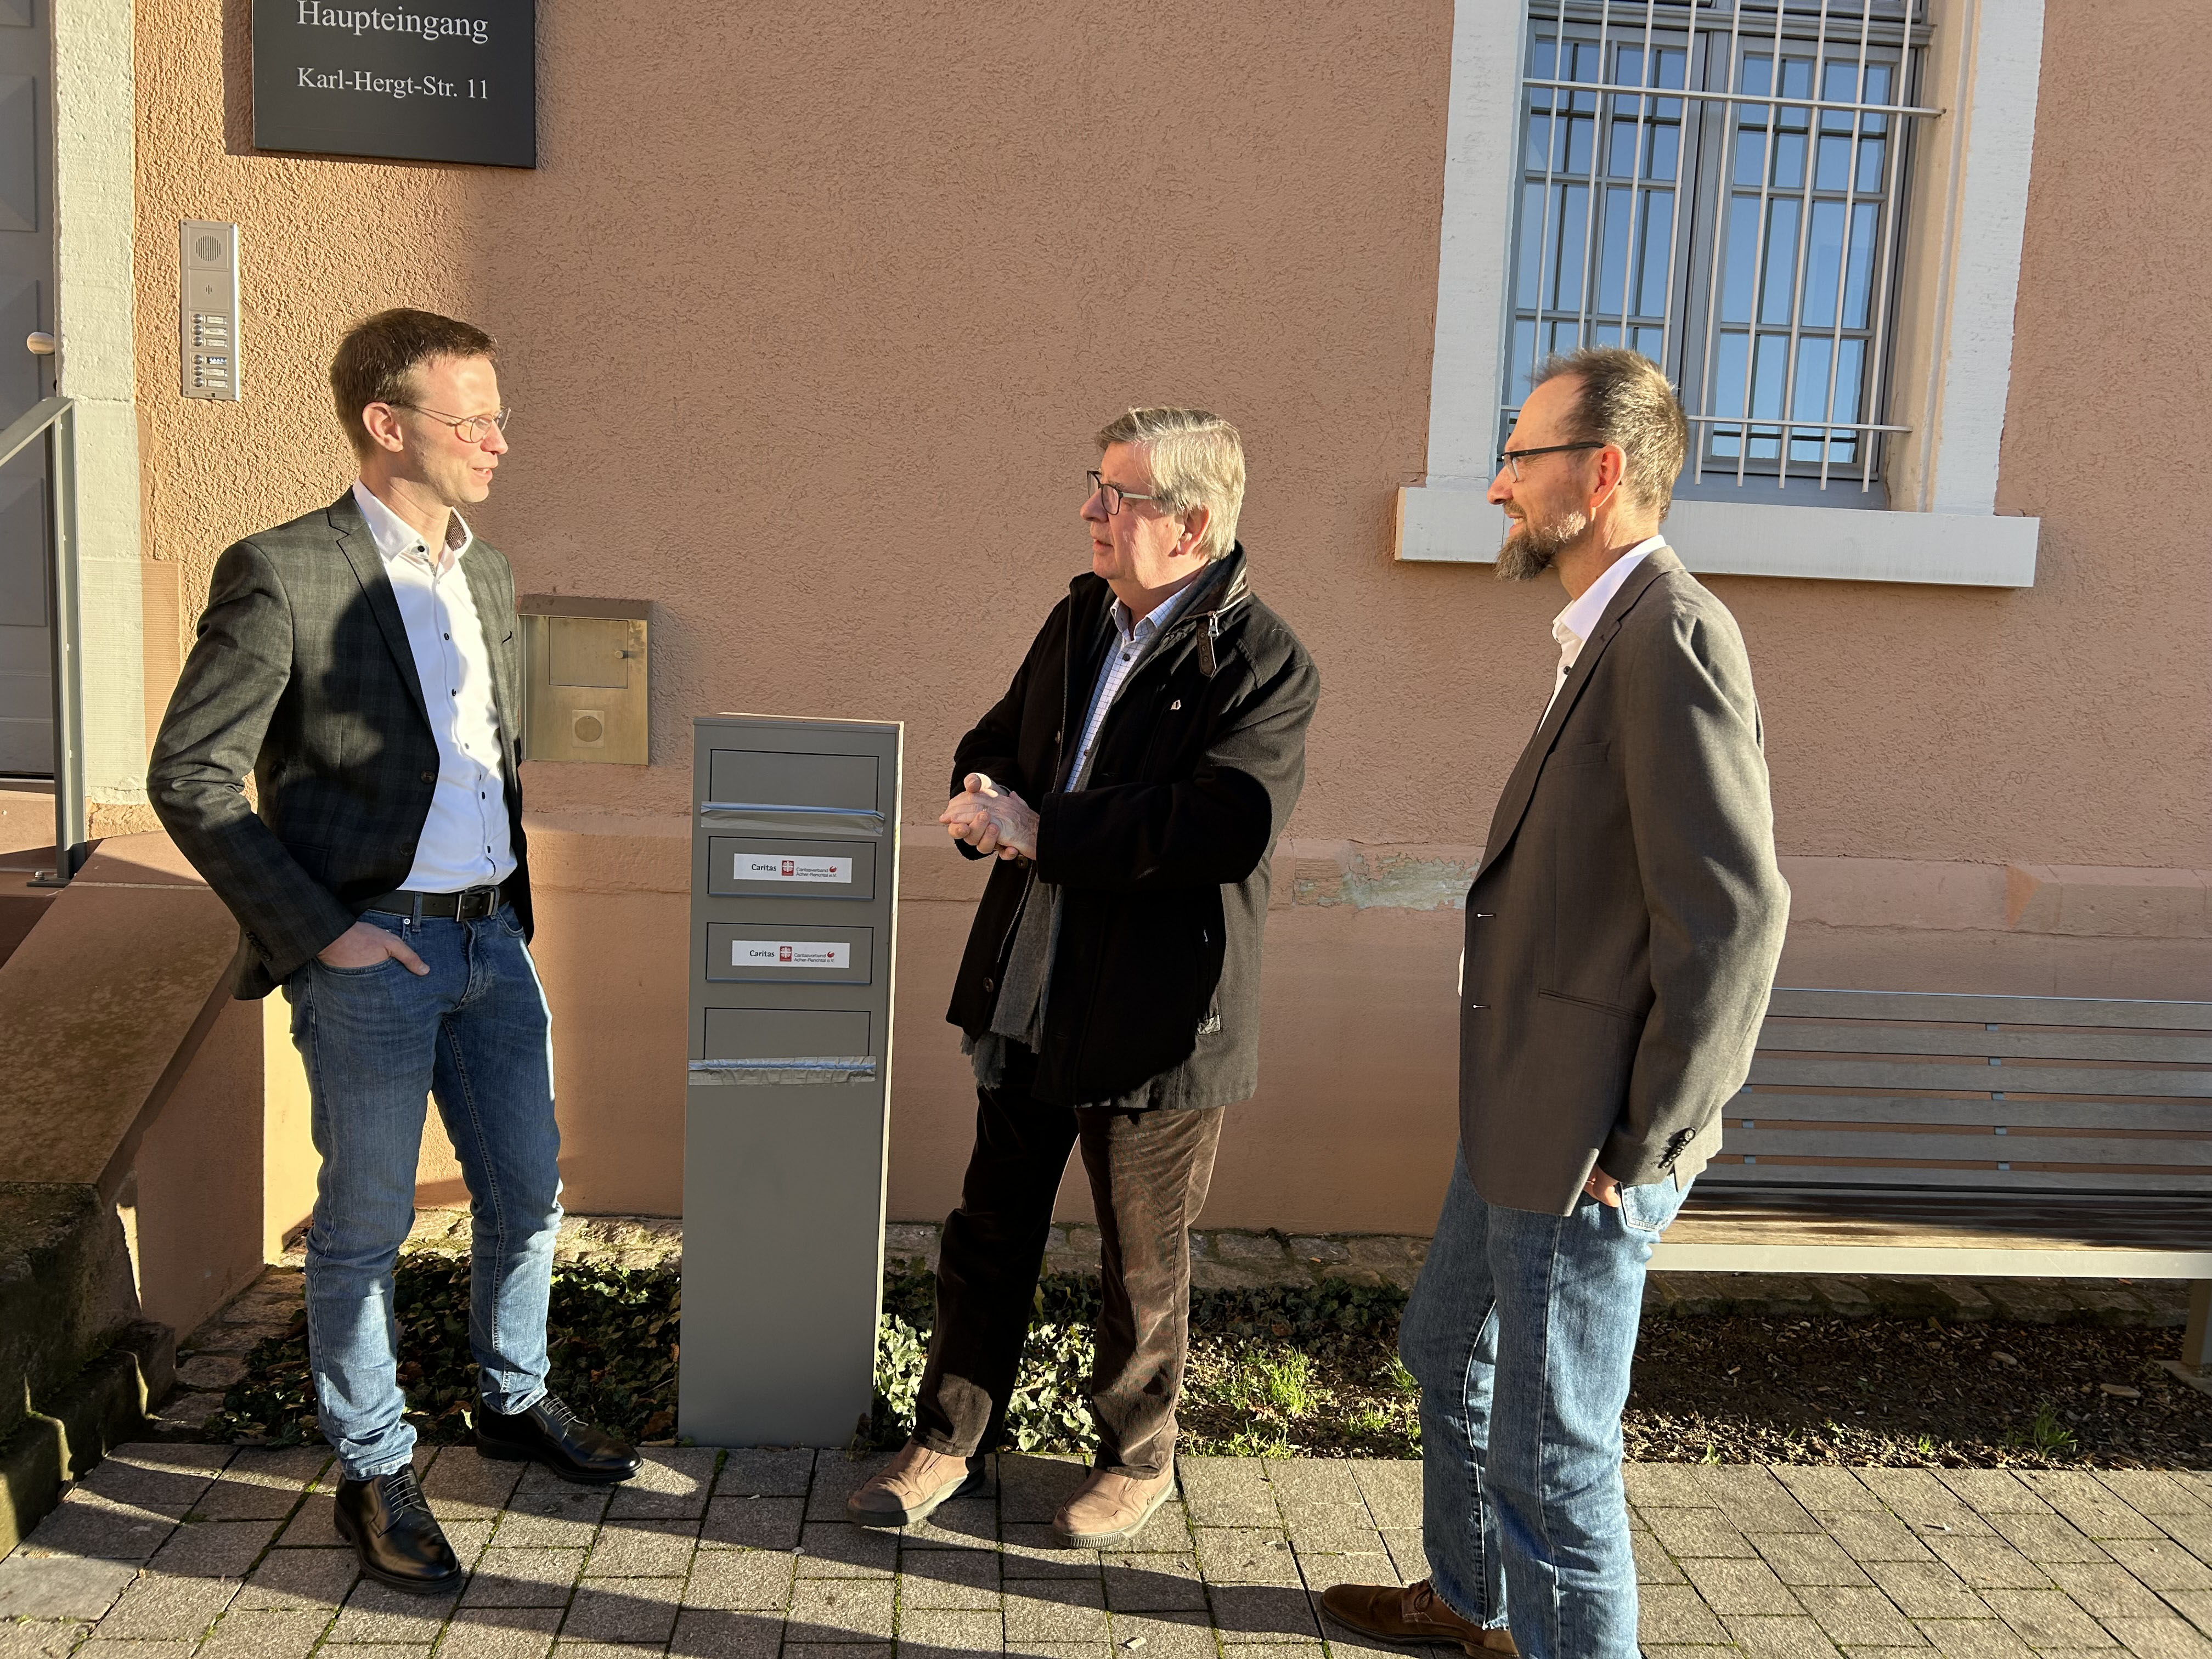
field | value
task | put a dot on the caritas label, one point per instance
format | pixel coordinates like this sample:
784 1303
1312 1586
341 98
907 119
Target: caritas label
804 869
788 953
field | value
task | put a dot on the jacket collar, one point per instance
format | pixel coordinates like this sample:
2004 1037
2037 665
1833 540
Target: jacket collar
1233 589
1521 785
396 538
359 548
1218 591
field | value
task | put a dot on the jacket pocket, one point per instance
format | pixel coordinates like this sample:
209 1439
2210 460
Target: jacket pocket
315 860
1592 1003
1582 754
1574 1065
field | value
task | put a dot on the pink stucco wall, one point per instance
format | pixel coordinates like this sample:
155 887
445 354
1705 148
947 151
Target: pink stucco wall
809 312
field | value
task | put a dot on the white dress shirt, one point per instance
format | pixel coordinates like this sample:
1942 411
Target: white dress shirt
465 837
1574 625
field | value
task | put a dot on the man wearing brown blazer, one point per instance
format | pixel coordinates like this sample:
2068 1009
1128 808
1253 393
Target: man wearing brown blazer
1622 934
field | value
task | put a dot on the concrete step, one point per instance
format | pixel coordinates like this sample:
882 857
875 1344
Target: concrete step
78 1367
20 908
65 1287
127 1171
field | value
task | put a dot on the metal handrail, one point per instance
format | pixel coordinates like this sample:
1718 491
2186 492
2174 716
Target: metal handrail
56 421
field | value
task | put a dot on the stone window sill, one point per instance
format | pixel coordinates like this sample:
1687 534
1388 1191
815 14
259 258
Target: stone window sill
1438 524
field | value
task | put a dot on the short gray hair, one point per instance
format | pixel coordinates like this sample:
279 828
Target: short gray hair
1197 459
1624 399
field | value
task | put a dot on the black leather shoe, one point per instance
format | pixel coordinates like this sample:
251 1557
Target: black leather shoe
550 1433
390 1526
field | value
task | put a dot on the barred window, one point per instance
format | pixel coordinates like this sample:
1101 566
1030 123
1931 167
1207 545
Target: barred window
1719 185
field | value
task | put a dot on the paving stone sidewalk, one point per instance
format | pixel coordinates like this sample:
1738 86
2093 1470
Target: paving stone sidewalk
174 1551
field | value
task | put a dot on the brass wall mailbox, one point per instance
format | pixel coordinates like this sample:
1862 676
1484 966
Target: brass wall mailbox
585 672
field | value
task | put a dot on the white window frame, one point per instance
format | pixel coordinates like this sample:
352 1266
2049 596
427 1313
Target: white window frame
1965 208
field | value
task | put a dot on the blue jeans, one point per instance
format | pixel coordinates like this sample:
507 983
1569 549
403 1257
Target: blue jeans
473 1034
1521 1332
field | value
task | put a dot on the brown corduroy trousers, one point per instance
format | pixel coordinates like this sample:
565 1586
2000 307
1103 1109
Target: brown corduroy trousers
1149 1174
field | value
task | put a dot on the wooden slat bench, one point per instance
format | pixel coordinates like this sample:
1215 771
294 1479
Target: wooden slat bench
1913 1132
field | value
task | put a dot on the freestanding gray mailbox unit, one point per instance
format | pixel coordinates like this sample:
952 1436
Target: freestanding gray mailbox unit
794 892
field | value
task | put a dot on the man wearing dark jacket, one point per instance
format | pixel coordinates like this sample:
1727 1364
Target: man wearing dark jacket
1131 784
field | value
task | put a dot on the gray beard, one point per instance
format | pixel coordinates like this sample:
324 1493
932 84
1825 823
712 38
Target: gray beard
1533 549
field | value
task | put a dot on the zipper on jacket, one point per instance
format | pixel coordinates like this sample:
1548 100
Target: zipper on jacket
1206 665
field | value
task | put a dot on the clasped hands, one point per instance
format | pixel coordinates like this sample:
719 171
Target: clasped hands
990 819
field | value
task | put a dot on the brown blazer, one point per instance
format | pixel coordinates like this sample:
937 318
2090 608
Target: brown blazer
1623 929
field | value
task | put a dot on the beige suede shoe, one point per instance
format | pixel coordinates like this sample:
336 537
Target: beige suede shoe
1111 1507
912 1485
1410 1614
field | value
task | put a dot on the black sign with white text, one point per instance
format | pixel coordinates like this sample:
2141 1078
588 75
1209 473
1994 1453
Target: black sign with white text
427 80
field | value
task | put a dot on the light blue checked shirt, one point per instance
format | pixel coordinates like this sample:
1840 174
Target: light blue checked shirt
1134 641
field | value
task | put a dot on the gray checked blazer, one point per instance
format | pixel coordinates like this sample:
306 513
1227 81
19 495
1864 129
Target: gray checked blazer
1623 928
302 675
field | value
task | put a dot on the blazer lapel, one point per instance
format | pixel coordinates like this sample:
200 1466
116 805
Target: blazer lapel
1521 785
359 549
495 615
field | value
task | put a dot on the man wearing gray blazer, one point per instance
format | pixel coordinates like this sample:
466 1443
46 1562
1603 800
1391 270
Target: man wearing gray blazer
1622 934
373 687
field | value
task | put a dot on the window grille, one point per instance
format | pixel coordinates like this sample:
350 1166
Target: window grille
1719 184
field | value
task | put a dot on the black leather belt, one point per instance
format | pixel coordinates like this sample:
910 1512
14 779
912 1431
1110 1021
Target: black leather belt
467 905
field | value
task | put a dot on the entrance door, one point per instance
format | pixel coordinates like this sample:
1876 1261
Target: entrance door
26 266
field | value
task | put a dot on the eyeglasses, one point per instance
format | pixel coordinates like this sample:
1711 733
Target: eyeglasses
469 429
1513 457
1114 494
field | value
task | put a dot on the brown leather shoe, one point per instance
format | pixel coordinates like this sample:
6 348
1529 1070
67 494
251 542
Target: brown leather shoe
1411 1614
912 1485
1111 1507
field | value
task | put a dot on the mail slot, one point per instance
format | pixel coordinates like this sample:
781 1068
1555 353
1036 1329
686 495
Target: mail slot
767 777
794 881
